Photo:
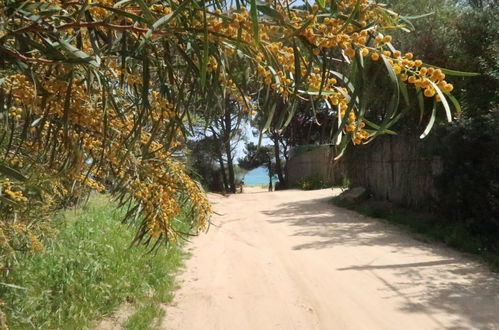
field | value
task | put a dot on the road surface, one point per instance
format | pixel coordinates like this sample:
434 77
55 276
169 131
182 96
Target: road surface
292 260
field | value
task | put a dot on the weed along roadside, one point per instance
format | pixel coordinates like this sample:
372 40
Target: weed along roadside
88 271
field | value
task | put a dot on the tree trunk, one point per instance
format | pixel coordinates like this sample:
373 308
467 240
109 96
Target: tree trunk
220 159
269 167
278 166
224 174
228 152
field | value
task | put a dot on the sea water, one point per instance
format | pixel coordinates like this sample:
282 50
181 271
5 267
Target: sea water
259 175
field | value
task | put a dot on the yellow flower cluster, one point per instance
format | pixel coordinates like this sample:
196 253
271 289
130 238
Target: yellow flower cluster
98 124
159 187
7 189
161 108
161 9
356 128
409 69
99 12
160 182
15 112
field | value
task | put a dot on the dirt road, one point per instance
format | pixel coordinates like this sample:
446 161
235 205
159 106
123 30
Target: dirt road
291 260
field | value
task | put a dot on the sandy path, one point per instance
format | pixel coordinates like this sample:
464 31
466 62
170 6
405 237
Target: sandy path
291 260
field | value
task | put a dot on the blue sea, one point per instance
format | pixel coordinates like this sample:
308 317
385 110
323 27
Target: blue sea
259 175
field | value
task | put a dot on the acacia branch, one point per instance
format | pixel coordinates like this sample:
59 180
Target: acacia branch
24 57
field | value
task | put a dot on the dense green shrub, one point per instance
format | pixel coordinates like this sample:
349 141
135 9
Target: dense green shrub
468 186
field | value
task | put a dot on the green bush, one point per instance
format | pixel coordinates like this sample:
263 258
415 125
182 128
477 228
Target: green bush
468 187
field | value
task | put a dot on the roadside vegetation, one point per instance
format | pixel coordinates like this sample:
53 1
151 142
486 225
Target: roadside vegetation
87 271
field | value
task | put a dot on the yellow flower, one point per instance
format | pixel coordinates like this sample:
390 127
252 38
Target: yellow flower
349 52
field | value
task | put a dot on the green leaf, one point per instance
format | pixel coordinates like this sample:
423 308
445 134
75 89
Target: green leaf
315 93
455 72
394 102
167 18
431 122
47 48
78 53
420 97
371 124
291 113
417 16
12 173
8 201
405 94
254 20
266 10
455 102
146 12
124 13
269 118
297 77
206 51
444 101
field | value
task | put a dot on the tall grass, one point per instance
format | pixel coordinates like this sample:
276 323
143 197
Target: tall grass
87 272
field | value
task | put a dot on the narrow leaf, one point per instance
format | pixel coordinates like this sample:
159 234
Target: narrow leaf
12 173
254 20
444 101
431 122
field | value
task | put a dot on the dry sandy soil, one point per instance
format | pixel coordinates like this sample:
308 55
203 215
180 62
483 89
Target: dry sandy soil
292 260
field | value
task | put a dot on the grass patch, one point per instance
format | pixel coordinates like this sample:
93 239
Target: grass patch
146 317
87 272
428 226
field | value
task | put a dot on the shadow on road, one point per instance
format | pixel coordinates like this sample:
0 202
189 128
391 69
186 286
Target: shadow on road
452 284
333 225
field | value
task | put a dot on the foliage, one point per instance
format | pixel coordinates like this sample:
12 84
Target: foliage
446 33
207 164
256 156
462 35
84 273
102 93
203 162
468 187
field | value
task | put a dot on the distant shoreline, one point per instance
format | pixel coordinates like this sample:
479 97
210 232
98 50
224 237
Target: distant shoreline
258 176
